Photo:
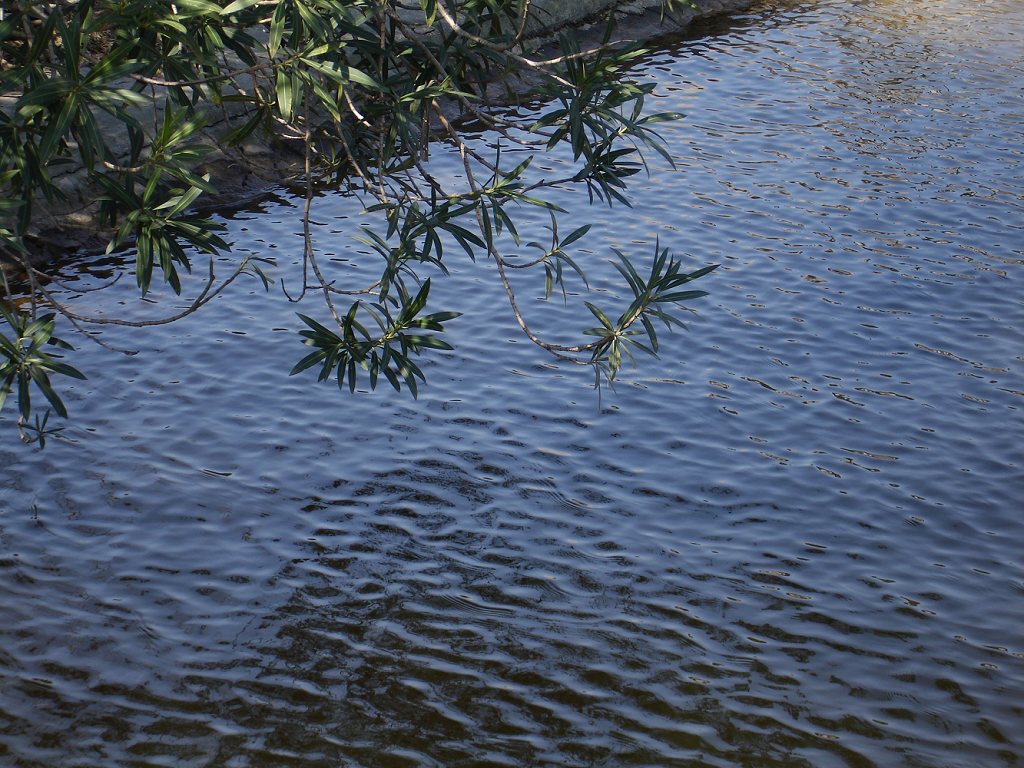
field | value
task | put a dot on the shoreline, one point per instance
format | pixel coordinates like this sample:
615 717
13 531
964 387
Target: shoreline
253 170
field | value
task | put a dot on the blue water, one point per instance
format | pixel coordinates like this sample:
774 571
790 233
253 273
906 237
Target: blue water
793 540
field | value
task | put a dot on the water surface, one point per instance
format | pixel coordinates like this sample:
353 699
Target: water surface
791 541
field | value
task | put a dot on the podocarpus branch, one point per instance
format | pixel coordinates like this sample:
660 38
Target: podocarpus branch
364 87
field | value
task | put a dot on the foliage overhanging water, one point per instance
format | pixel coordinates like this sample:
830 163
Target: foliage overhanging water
789 542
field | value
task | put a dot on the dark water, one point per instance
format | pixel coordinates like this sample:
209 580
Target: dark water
794 541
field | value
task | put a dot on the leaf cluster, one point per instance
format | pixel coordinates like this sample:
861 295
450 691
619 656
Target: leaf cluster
365 89
25 364
388 351
655 298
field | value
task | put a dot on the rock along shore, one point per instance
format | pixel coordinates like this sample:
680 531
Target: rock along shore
247 172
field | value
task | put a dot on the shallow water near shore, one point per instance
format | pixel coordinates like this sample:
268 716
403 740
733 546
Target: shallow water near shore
794 540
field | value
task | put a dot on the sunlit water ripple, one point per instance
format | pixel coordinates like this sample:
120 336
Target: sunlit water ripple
791 541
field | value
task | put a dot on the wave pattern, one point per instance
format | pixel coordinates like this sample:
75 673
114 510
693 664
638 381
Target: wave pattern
793 541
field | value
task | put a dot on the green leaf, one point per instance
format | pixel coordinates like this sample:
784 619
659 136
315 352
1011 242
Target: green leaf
430 342
241 133
573 236
683 296
24 398
57 129
277 28
319 329
600 316
66 370
649 327
702 271
285 94
392 379
198 7
361 78
307 362
413 308
43 382
239 5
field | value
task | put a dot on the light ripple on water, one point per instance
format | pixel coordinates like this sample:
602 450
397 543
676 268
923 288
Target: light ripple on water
792 541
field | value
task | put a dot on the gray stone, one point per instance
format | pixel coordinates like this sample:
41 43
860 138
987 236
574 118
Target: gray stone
247 172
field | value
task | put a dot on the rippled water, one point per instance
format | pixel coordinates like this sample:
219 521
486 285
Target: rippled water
792 541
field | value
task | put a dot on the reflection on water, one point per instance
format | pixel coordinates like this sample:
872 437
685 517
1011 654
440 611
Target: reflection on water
792 541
